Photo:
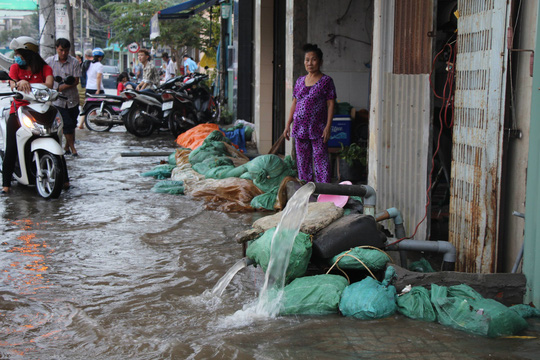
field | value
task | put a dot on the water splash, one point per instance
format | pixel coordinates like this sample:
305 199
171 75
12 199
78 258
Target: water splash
220 286
113 158
280 251
269 300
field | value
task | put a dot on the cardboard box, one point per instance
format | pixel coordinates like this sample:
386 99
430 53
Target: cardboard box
341 131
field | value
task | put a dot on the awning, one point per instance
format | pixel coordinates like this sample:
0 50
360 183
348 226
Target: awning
186 9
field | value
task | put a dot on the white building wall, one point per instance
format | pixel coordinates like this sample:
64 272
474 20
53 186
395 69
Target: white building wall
263 73
344 36
518 149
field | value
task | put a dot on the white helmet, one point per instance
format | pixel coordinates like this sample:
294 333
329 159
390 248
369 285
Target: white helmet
24 42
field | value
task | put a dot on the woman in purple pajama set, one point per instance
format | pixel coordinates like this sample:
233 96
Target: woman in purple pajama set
311 118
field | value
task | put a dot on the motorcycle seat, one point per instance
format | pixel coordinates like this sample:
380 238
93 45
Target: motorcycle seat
150 93
104 96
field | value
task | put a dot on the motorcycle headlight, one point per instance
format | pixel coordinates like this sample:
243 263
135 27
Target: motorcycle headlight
28 122
41 95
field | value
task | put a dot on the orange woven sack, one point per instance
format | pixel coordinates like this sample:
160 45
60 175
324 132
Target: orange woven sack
193 138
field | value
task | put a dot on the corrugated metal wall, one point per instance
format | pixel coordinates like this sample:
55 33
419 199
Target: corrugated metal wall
400 139
413 25
403 147
478 133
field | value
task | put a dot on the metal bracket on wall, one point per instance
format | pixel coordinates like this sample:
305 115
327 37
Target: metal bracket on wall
531 62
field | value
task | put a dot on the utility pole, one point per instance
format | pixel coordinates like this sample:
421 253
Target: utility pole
71 27
47 28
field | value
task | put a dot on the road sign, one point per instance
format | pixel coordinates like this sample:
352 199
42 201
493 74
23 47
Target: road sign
133 47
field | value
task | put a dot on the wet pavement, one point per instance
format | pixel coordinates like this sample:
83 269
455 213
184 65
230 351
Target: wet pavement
111 270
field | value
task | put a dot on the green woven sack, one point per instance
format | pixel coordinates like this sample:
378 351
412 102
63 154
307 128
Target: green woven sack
160 172
526 311
172 159
206 150
373 259
267 171
369 299
416 304
216 135
313 295
169 187
265 201
225 171
421 265
259 251
462 308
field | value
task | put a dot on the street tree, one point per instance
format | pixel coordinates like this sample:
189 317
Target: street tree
130 22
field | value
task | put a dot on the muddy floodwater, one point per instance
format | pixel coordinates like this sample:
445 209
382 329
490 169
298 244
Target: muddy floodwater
111 270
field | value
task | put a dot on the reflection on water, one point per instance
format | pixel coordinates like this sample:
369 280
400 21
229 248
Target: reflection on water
28 265
111 270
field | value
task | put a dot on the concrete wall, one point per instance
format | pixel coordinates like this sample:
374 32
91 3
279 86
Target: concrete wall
347 58
518 149
342 36
263 73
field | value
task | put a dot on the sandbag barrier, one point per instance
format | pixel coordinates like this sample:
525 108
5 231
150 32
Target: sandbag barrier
210 166
459 307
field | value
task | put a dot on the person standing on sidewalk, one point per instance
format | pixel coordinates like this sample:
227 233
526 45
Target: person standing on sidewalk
65 65
88 58
168 66
95 73
190 66
311 117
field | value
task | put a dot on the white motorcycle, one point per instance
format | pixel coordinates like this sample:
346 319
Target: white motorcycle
39 139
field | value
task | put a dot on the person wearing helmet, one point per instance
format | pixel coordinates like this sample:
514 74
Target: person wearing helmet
29 68
95 73
65 65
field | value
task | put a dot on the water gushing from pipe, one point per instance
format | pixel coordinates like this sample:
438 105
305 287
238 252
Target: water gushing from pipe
222 284
280 250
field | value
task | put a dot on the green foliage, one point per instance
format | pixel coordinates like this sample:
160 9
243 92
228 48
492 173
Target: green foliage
131 22
227 116
353 153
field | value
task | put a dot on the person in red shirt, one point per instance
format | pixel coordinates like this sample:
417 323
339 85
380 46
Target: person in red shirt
123 78
29 68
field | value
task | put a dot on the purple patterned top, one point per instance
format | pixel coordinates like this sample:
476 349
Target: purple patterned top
311 113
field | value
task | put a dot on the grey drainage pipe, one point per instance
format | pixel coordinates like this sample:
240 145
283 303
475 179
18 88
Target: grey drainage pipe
441 247
364 191
399 229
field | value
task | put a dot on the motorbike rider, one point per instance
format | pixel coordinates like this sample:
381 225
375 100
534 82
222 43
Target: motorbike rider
29 68
150 72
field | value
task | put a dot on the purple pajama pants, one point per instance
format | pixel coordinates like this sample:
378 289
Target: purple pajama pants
312 153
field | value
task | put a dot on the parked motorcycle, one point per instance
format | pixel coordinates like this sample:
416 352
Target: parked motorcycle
178 108
142 110
39 139
102 112
189 104
208 107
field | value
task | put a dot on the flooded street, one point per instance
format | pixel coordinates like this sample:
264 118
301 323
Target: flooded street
111 270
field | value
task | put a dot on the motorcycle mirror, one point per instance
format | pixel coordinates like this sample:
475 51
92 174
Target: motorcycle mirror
70 80
206 67
5 76
58 79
